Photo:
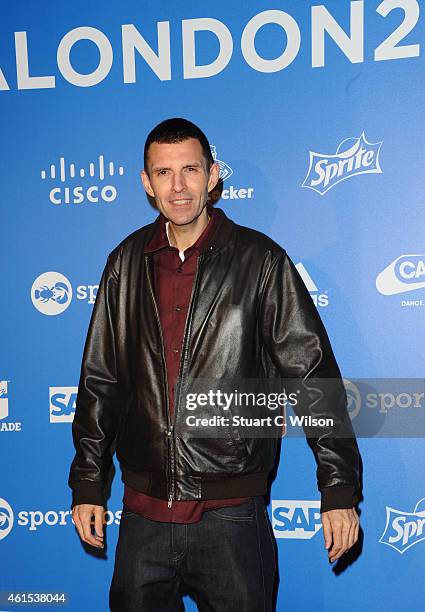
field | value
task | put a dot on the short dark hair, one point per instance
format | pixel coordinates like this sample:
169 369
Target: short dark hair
177 130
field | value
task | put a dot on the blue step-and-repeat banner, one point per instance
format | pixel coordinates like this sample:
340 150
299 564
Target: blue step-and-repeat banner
316 115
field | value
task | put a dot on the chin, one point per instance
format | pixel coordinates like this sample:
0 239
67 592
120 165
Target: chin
183 217
182 220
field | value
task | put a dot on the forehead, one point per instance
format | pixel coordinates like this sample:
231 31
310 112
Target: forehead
167 154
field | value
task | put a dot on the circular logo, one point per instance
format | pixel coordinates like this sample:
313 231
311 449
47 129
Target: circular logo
6 518
51 293
354 399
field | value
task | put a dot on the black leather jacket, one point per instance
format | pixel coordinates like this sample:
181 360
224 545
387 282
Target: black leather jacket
250 316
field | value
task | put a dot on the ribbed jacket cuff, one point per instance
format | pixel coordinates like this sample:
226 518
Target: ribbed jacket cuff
87 492
339 497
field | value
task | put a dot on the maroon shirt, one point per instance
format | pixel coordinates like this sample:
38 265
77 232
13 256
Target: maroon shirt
173 287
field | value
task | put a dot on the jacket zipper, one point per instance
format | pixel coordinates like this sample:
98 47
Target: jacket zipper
185 348
170 425
164 368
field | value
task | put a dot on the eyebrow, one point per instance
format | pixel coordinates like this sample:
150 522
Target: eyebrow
158 168
194 165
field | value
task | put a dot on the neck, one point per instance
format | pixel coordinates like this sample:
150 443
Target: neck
183 236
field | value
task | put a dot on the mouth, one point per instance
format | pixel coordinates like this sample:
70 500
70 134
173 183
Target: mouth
181 202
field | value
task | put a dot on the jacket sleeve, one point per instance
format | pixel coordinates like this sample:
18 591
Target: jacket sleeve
97 408
299 347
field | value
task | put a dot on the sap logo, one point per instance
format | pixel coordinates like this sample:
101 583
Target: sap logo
295 519
6 519
62 402
4 400
404 529
78 194
232 193
353 156
51 293
406 273
321 300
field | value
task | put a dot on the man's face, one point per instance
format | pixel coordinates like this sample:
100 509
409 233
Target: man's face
178 179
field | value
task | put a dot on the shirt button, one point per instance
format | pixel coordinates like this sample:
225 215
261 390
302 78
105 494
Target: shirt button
178 308
175 351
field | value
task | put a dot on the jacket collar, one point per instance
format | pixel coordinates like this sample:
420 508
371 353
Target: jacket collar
212 238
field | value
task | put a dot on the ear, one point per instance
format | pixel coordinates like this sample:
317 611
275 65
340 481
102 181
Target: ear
214 176
146 183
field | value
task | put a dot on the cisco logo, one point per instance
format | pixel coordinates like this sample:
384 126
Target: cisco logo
62 404
295 519
64 173
353 156
320 298
6 519
230 193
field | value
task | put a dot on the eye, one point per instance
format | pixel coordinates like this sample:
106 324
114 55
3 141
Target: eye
191 169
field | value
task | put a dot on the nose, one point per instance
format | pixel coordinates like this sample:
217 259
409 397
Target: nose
179 183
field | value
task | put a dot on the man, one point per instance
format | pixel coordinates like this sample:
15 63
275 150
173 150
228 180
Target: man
194 296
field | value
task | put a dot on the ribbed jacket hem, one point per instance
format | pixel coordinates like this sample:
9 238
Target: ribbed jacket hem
190 488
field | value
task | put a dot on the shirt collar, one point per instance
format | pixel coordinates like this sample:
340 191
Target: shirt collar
160 238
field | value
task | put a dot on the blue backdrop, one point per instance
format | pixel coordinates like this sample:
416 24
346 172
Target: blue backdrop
316 115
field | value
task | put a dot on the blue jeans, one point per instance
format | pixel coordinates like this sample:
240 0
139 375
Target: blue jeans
226 562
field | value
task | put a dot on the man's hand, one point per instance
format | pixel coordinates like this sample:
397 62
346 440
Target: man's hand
340 530
82 515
